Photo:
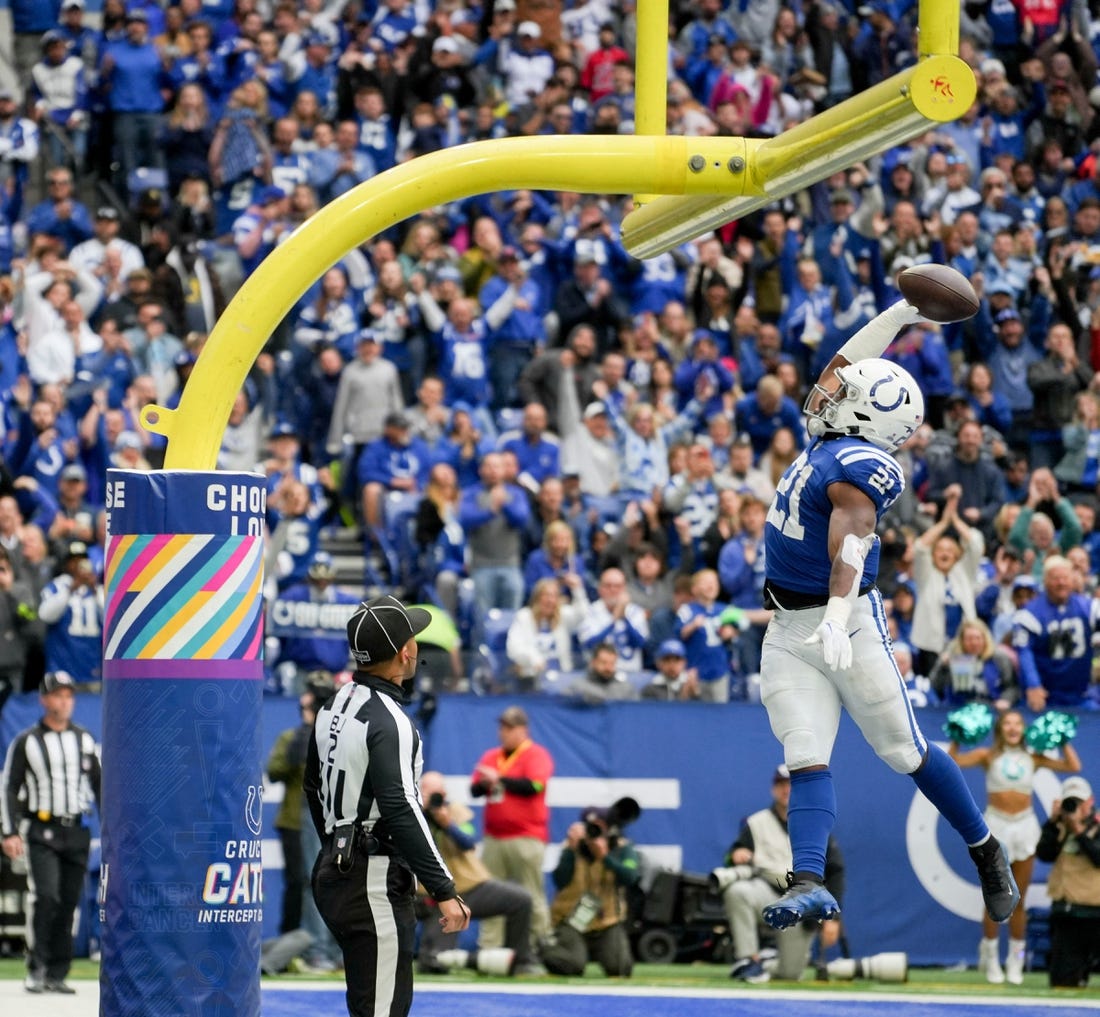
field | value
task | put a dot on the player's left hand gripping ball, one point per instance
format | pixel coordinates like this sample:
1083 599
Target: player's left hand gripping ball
836 645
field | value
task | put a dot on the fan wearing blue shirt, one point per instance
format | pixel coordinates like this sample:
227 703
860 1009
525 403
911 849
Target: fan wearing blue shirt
706 636
761 414
394 462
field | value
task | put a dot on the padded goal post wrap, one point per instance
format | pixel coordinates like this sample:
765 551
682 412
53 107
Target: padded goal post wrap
181 883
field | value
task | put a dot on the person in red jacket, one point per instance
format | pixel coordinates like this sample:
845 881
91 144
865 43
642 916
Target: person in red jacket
512 777
598 75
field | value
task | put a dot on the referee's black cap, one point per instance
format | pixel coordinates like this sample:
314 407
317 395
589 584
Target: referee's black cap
380 627
55 680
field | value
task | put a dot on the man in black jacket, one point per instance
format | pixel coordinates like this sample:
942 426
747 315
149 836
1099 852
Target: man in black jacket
362 771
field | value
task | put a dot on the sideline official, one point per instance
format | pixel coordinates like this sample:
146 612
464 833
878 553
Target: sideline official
50 778
362 772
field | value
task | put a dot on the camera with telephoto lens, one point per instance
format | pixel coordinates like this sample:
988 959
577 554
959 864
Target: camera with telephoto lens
1070 806
437 800
609 823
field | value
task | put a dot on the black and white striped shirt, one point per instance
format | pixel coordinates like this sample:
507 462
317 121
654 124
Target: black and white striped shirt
363 766
49 775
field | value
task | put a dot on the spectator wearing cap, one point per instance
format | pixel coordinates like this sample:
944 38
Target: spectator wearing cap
90 254
674 680
462 336
369 390
589 298
520 60
590 449
132 74
513 777
708 28
81 39
284 460
309 626
1059 121
76 518
494 517
881 40
72 609
261 228
1009 355
444 75
59 92
521 335
393 462
128 452
313 69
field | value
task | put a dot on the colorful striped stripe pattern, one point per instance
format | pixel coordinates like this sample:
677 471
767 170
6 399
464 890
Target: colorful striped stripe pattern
184 597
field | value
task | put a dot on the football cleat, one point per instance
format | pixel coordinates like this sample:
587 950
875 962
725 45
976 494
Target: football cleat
804 900
999 890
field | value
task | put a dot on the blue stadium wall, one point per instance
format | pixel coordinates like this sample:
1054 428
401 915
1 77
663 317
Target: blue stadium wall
697 770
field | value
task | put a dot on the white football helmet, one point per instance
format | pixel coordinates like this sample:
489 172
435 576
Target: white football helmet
876 400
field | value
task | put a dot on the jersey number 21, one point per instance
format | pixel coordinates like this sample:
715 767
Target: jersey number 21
789 492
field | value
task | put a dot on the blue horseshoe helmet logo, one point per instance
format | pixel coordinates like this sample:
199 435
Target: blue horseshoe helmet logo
903 394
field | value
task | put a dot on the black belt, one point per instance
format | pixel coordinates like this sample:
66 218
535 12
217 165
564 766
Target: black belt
68 821
776 596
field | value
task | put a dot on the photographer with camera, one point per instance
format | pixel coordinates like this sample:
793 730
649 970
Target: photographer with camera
452 829
1070 841
758 861
596 868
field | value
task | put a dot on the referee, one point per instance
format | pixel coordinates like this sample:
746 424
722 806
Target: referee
50 777
362 771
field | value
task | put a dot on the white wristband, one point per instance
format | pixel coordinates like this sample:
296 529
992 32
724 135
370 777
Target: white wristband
879 332
838 611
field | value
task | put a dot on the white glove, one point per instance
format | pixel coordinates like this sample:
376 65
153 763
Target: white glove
832 634
904 313
836 647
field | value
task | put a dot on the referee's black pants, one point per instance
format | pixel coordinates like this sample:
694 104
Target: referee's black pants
57 859
370 912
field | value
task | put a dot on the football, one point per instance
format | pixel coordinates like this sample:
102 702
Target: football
940 293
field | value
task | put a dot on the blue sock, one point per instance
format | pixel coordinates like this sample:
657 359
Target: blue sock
810 818
942 783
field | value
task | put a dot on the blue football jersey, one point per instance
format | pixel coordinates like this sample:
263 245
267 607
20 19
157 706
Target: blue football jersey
796 538
1054 646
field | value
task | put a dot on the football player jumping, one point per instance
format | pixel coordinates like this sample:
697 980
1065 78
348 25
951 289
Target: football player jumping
827 645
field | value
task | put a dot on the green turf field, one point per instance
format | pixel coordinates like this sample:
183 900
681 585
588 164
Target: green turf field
922 981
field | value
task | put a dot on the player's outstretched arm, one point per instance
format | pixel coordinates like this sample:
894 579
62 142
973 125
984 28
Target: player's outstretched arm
851 536
872 339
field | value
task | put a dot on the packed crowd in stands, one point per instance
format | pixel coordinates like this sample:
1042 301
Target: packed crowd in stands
529 428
